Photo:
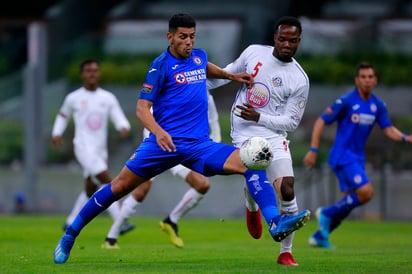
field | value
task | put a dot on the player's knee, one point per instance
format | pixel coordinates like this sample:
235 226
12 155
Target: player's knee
287 188
199 182
365 194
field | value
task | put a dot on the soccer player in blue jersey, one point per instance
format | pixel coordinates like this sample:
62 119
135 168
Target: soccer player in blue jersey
175 87
356 112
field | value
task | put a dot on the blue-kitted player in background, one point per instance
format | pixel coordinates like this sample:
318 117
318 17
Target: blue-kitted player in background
175 86
356 112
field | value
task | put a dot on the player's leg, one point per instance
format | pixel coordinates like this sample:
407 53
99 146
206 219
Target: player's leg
78 204
128 207
199 186
103 178
124 183
356 189
260 189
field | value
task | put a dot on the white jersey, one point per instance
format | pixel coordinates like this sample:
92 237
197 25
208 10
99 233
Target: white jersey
91 111
279 94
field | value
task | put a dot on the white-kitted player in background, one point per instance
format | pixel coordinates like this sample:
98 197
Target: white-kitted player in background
199 186
91 108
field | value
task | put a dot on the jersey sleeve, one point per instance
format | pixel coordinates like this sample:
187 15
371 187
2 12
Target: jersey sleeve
334 111
213 117
290 120
235 67
117 116
153 81
383 118
62 118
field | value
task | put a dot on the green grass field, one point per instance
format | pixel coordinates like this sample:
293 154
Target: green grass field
211 246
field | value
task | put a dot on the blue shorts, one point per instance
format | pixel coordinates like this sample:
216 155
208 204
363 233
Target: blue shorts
204 156
351 176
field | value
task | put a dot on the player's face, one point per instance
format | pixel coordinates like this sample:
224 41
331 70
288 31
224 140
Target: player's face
287 39
181 42
366 81
90 76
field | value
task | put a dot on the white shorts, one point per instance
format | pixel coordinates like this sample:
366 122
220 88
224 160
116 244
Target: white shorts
281 165
92 162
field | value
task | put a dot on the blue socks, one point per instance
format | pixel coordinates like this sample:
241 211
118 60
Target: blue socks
263 193
97 203
341 209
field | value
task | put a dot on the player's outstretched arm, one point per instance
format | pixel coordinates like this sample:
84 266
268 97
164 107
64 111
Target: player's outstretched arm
395 134
311 156
213 71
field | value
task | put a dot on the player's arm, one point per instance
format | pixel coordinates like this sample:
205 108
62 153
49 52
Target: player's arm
288 121
395 134
119 119
214 71
311 156
60 123
143 113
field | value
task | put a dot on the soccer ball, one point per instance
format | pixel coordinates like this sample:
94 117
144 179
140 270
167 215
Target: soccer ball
256 153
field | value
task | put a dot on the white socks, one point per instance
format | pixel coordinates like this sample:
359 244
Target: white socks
290 207
128 207
189 201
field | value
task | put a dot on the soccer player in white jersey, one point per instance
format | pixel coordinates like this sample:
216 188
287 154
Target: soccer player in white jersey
199 187
271 109
91 108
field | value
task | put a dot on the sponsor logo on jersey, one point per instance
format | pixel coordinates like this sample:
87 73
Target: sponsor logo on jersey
175 66
190 77
258 96
362 118
94 121
152 70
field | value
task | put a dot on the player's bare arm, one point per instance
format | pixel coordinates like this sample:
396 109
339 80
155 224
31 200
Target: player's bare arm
395 134
214 71
143 113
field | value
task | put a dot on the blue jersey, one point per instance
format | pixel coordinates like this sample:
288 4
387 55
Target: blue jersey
356 118
177 89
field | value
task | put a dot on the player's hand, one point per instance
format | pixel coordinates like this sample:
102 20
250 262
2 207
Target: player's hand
310 159
124 132
57 141
247 112
244 78
164 140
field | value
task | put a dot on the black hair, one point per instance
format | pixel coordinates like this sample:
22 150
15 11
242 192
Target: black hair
181 20
289 21
364 65
88 61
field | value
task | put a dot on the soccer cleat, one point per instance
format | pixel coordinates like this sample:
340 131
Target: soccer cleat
62 250
254 223
170 228
286 258
324 223
287 224
110 244
317 240
126 227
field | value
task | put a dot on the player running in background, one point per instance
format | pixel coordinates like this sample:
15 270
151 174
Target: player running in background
91 107
199 187
355 112
175 86
271 109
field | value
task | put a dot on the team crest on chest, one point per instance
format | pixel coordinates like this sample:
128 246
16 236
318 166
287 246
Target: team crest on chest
277 81
180 78
197 60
